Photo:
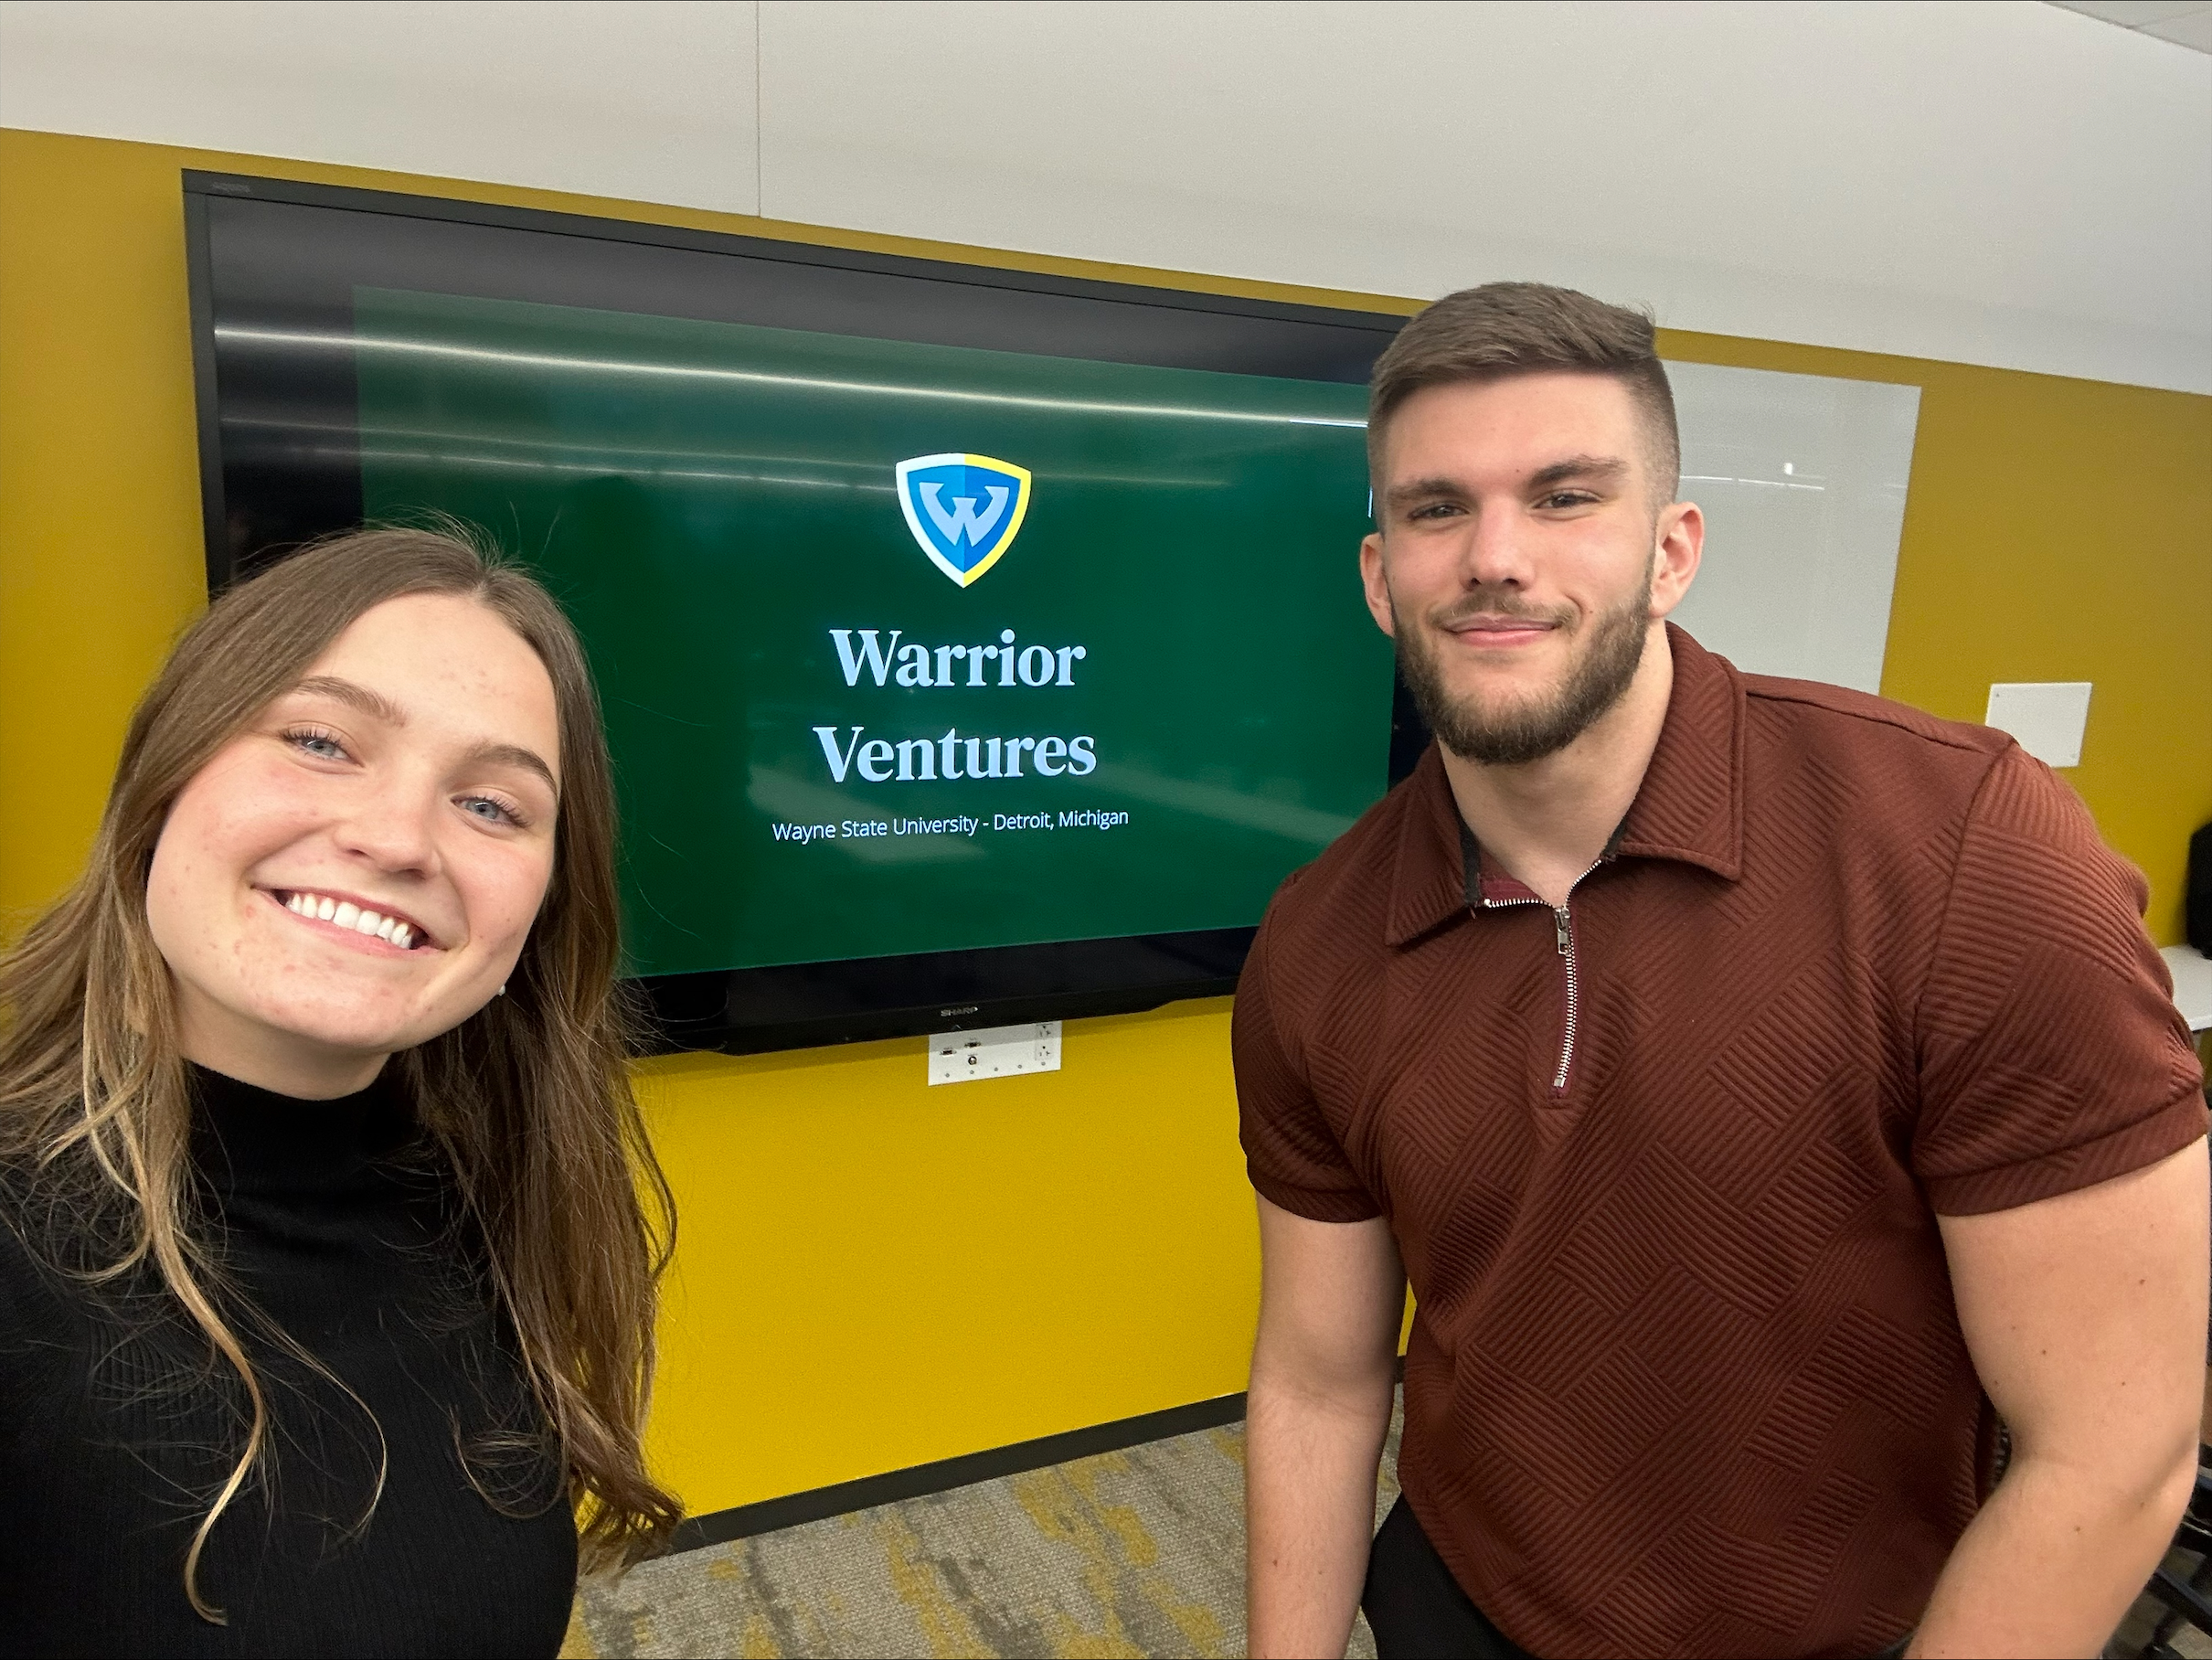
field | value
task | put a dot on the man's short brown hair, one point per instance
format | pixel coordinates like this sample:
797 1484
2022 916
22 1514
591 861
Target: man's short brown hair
1503 329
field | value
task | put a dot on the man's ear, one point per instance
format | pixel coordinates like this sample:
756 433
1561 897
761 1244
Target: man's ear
1373 585
1678 545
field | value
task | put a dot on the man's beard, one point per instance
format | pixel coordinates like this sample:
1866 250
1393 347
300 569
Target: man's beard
1513 734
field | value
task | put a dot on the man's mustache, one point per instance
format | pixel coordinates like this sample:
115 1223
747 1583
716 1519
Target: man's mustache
1479 604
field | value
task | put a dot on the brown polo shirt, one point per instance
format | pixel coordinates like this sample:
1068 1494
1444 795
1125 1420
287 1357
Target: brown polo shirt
1686 1376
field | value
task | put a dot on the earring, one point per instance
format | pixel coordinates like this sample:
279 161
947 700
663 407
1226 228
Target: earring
502 991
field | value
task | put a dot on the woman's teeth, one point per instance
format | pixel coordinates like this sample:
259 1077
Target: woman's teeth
347 914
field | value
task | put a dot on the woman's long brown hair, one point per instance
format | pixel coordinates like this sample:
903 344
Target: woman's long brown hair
529 1098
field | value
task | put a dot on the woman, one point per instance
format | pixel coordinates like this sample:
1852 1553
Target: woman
326 1292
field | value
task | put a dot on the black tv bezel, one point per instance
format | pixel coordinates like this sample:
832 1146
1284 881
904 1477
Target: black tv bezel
841 1000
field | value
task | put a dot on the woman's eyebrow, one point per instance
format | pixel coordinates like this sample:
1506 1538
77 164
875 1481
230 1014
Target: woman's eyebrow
370 702
512 755
376 704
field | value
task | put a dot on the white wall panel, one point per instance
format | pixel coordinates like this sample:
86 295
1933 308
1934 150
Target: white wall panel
1802 479
2008 184
1988 181
649 100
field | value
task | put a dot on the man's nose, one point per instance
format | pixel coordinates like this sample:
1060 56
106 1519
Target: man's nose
1495 552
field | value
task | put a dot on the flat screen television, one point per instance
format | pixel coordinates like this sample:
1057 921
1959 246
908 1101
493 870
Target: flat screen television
977 646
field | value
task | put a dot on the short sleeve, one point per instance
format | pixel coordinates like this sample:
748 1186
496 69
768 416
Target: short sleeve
2051 1055
1292 1156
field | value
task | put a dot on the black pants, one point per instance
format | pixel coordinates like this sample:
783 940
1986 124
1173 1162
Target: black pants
1415 1608
1418 1611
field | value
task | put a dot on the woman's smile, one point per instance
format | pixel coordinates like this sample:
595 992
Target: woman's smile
379 929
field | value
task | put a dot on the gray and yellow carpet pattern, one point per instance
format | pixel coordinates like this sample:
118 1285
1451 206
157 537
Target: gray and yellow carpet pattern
1135 1552
1138 1552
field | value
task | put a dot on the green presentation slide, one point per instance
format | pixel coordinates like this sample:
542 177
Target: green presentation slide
910 647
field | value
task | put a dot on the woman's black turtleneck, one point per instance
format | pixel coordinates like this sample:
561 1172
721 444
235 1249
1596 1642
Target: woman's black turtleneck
337 1224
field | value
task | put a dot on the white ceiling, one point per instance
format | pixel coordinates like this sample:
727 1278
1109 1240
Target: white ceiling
2183 22
1987 181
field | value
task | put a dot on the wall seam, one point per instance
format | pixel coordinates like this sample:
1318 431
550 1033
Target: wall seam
759 123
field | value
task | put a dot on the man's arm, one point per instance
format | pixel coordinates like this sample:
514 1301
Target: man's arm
2085 1316
1332 1295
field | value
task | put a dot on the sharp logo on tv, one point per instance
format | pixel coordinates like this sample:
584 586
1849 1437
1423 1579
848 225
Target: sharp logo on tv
964 510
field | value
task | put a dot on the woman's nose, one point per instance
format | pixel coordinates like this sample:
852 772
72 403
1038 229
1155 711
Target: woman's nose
392 829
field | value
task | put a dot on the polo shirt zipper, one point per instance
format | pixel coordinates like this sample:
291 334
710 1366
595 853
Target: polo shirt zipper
1563 926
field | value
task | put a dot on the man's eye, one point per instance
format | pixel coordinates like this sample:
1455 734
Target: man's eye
1435 510
1567 498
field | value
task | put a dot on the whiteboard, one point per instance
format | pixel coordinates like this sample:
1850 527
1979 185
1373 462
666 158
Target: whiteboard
1802 479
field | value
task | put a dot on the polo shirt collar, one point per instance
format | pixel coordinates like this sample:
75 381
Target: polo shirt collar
1689 807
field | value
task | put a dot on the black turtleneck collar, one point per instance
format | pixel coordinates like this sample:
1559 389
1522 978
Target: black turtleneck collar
250 1140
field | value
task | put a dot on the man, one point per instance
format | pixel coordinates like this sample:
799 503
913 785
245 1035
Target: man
1758 1083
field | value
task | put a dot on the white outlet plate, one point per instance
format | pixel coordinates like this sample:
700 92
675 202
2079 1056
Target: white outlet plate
995 1051
2047 717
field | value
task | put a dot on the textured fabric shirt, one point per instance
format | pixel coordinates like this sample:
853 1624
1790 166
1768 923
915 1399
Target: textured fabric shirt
338 1226
1686 1375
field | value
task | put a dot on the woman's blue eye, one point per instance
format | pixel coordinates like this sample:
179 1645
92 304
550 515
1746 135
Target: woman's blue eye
491 812
321 745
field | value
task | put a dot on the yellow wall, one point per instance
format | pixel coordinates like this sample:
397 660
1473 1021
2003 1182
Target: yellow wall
874 1274
2056 530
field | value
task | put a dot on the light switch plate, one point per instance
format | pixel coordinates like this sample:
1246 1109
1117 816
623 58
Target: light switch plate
2047 717
995 1051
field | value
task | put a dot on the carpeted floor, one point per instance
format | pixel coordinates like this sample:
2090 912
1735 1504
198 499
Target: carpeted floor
1137 1552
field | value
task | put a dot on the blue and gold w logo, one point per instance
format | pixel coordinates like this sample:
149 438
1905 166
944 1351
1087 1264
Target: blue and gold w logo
964 510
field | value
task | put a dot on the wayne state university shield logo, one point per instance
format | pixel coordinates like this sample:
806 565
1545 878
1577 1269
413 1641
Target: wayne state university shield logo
964 510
